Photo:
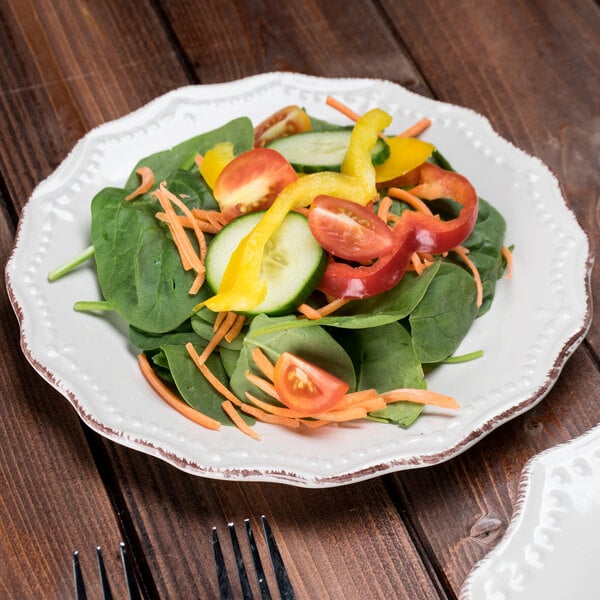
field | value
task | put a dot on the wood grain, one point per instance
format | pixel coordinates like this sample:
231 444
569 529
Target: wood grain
531 68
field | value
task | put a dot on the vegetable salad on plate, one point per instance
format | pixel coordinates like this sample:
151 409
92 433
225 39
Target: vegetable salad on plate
296 272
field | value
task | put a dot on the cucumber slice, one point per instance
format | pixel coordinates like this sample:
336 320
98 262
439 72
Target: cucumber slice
292 265
314 151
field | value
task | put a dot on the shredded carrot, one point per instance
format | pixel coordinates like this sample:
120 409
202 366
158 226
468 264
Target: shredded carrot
188 223
198 160
508 257
233 414
302 210
417 129
281 411
410 199
266 417
216 338
147 176
221 316
462 252
383 210
415 259
309 312
189 258
346 414
314 424
420 397
168 396
235 329
210 377
214 217
342 108
266 386
332 306
263 363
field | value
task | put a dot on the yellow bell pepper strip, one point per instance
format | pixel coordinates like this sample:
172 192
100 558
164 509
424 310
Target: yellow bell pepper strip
242 287
406 154
214 161
357 161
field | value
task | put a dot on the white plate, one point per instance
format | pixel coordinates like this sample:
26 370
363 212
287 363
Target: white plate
551 548
537 320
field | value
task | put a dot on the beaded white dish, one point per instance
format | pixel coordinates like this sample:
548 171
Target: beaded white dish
551 547
537 320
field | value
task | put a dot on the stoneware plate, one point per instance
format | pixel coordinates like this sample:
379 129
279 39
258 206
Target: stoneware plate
537 320
551 547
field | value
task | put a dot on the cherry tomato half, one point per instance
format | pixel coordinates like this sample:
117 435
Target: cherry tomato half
287 121
252 181
347 230
305 387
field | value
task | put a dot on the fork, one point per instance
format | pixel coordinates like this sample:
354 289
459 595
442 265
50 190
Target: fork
130 582
283 583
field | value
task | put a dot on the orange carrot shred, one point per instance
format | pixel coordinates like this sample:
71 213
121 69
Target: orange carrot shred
417 129
235 328
198 160
216 338
233 414
210 377
332 306
309 312
266 386
281 411
347 414
221 316
419 396
508 257
416 262
383 210
266 417
462 252
147 176
168 396
263 363
410 199
342 108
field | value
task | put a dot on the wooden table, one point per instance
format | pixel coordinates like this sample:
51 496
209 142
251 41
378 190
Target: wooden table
67 66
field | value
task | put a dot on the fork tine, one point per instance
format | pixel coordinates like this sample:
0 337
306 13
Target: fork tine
78 577
130 582
239 563
258 568
106 591
225 591
283 581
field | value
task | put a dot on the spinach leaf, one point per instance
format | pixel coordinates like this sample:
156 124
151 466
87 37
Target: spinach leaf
150 341
193 386
387 307
442 319
314 345
138 266
239 132
485 250
386 360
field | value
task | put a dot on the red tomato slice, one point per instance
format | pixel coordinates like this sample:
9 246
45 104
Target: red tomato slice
305 387
252 181
347 230
287 121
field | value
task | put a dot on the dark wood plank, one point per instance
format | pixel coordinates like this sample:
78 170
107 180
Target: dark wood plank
53 501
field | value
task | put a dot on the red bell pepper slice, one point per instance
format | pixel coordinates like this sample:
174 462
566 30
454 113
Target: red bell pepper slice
414 232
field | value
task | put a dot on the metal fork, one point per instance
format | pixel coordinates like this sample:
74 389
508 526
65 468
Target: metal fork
281 576
130 582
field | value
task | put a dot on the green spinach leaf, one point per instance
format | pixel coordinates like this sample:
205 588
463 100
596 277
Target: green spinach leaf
193 386
239 132
442 319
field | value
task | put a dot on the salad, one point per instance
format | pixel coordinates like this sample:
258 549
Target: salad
296 272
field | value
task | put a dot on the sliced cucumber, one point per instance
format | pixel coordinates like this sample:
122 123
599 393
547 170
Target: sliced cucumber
292 265
315 151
